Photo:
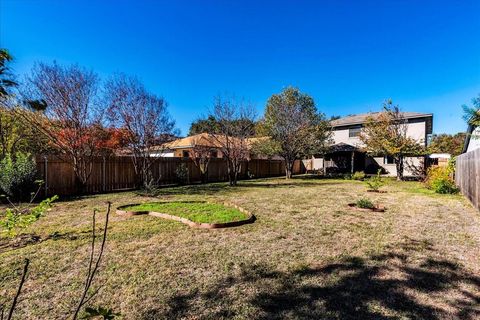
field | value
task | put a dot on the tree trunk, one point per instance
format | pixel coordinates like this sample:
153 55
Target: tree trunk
236 169
399 166
288 169
203 177
229 172
80 186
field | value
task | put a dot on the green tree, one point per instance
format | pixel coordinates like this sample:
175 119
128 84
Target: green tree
295 126
209 124
7 82
447 143
386 134
17 136
472 114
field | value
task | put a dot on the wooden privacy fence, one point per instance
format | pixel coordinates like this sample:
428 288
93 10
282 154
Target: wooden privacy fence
467 176
117 173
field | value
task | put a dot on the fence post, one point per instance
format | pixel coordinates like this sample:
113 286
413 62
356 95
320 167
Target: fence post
104 176
45 174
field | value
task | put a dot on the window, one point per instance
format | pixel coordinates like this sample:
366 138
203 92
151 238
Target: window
185 154
354 132
388 160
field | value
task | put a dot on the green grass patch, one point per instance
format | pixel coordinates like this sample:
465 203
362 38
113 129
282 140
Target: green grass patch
201 212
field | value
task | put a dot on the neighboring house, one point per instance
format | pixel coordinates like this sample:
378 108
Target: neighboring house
182 148
472 140
346 155
439 159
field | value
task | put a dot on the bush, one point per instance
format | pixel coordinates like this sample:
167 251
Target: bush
182 173
20 217
439 179
17 175
347 176
358 175
365 204
375 182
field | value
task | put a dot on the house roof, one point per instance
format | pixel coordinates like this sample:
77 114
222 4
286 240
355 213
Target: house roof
362 118
201 139
342 147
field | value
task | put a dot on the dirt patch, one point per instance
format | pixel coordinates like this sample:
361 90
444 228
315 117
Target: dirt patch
353 206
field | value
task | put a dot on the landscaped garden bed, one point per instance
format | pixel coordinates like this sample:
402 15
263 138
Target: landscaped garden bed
197 214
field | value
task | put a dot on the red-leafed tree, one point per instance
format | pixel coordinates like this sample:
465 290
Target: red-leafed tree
110 140
62 100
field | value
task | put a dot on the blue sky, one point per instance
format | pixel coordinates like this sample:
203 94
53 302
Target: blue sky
349 55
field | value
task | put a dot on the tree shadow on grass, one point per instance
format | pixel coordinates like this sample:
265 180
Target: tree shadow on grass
27 239
393 285
215 188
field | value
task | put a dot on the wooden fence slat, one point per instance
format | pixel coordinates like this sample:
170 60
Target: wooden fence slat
467 176
118 173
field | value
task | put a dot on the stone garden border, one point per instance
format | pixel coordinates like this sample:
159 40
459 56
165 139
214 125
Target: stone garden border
251 217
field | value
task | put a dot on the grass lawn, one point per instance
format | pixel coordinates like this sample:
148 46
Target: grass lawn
196 211
306 257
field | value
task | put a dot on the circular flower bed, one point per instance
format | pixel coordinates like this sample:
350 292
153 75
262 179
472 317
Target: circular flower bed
196 214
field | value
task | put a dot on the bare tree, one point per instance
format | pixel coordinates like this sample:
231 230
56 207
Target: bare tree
62 100
93 263
202 151
236 122
143 116
93 266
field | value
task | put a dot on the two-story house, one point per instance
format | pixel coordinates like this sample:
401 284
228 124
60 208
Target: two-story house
346 154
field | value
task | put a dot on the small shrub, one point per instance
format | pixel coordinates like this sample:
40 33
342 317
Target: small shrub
439 179
365 203
17 175
99 313
182 174
358 175
20 217
375 182
347 176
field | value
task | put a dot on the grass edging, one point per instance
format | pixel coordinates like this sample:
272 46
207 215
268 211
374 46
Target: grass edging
251 217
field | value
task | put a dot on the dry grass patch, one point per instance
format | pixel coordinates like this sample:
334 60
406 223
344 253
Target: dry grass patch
306 256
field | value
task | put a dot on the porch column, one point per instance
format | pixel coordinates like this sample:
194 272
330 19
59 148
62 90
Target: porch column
352 162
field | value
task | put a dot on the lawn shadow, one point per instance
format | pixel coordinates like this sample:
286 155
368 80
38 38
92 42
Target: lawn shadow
27 239
392 285
224 187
